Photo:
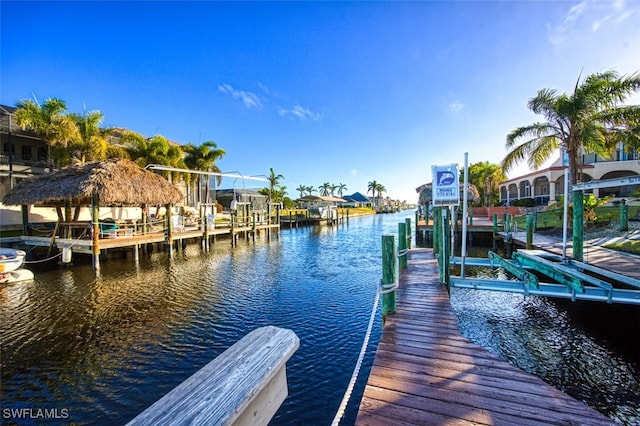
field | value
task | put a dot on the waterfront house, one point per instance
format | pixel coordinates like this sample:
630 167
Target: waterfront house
356 200
546 186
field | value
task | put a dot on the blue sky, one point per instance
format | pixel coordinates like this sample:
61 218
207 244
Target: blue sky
338 92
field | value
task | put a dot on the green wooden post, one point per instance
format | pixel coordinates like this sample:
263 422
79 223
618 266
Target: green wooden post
402 246
624 216
25 219
437 230
530 226
504 222
445 252
578 218
388 275
408 222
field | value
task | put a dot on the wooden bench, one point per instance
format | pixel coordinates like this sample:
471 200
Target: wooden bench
244 385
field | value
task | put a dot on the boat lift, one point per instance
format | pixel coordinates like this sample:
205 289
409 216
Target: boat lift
567 278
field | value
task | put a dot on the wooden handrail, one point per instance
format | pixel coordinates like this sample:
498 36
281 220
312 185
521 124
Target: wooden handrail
244 385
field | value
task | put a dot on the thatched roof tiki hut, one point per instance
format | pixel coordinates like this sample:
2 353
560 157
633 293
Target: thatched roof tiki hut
114 182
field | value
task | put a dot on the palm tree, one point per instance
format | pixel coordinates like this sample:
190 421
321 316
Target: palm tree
203 158
372 187
589 120
341 188
310 189
91 144
380 190
48 121
302 189
155 150
486 176
325 189
274 180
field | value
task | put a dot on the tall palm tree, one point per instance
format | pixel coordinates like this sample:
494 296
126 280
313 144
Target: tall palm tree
203 158
373 187
325 189
48 121
274 180
341 188
310 189
302 189
589 120
376 187
380 190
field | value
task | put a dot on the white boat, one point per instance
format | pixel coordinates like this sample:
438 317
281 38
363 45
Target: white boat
323 212
11 259
10 262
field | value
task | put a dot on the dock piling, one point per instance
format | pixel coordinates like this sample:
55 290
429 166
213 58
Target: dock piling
388 275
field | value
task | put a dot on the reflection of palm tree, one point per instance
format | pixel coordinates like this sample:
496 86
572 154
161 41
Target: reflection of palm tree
49 122
589 120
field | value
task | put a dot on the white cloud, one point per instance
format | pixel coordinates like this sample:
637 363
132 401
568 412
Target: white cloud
456 106
588 16
249 99
300 113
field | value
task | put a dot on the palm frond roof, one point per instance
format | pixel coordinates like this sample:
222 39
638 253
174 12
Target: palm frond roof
114 182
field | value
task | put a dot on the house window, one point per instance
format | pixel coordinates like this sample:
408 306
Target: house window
9 148
42 154
26 153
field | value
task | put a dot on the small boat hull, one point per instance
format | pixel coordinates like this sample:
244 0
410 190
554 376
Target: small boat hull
11 259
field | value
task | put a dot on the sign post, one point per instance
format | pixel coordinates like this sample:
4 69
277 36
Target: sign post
446 192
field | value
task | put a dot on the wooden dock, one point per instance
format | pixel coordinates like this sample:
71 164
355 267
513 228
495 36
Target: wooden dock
426 373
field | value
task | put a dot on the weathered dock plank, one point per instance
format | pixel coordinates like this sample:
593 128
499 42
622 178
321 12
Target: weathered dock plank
245 385
426 372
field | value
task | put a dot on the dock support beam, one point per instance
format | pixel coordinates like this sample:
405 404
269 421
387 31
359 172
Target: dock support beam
445 247
388 275
407 221
530 226
402 246
624 216
437 229
578 218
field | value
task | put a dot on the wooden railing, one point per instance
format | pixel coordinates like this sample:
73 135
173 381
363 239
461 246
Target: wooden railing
245 385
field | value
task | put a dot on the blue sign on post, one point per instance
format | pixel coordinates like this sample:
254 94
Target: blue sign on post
446 190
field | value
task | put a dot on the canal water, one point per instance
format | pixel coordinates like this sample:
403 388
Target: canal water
101 350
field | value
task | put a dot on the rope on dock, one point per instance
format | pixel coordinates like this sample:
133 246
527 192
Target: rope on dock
388 288
356 370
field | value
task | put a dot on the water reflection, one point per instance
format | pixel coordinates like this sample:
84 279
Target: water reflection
107 347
